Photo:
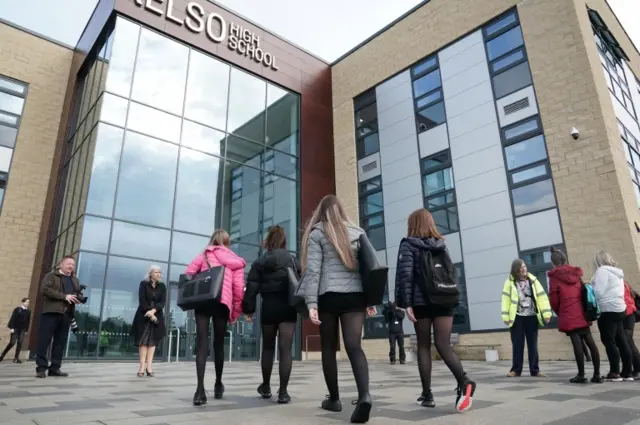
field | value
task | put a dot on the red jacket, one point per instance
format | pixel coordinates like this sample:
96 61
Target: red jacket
565 295
628 299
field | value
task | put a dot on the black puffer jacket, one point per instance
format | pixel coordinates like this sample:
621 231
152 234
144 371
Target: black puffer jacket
409 270
268 276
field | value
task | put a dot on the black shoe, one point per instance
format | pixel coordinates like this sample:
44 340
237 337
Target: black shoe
41 374
332 405
392 362
426 400
402 362
283 396
264 391
465 395
361 413
578 379
200 397
58 373
597 380
17 361
218 390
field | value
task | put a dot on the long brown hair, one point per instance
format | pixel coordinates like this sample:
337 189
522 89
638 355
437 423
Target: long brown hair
515 268
276 238
422 225
220 237
331 214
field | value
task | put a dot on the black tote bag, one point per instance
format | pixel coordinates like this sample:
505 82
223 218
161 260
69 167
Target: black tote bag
201 290
295 300
374 276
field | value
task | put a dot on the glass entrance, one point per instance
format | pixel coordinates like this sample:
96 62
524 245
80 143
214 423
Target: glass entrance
246 340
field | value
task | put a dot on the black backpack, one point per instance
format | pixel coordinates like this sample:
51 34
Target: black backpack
439 283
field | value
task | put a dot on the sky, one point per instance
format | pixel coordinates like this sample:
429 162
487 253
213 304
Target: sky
327 28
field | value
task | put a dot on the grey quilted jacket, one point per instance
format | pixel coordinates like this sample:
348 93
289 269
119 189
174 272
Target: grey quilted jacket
325 270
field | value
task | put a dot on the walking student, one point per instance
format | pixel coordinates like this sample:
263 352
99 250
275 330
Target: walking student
227 310
565 294
525 306
333 291
269 278
18 326
413 271
608 285
629 324
394 318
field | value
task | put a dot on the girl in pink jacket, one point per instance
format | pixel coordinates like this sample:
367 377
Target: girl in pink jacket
228 309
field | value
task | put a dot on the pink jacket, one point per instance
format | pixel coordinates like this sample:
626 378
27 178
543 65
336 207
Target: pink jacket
233 286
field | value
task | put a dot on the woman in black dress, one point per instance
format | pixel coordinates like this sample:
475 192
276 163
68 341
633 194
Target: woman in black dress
148 324
269 277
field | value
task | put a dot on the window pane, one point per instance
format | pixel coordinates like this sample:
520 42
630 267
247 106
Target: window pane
525 152
431 117
371 204
123 52
147 179
364 99
375 220
367 129
537 259
438 201
502 23
427 83
104 170
202 138
95 234
505 43
153 122
282 119
528 174
246 106
508 60
637 191
366 115
422 67
429 99
160 73
372 184
5 83
435 161
283 164
140 241
534 197
199 178
8 136
446 220
10 103
185 247
632 171
5 159
512 80
369 145
283 210
636 159
207 90
114 109
377 238
242 203
437 182
521 129
244 151
9 119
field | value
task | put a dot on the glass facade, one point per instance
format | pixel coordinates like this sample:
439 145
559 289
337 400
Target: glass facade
165 145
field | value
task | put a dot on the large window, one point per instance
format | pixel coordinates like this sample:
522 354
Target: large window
528 167
631 147
366 120
427 94
439 191
12 97
166 145
372 211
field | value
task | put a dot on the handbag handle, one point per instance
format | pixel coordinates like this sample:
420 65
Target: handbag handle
295 269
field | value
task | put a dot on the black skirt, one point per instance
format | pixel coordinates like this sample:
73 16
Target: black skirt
147 333
276 309
339 303
431 311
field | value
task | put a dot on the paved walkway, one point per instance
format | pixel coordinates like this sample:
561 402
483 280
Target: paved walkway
111 394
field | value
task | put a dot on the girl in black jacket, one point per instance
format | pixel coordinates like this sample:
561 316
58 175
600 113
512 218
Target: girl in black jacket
19 326
268 276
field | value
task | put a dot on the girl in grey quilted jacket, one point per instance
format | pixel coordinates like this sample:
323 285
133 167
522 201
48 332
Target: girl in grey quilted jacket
332 288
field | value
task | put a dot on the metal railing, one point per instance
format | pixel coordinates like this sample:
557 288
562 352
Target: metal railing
177 345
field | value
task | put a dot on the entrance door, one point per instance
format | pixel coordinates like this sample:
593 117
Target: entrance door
180 329
245 340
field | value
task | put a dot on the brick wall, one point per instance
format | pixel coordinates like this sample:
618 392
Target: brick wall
45 67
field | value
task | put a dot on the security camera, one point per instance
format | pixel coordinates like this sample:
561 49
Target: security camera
575 133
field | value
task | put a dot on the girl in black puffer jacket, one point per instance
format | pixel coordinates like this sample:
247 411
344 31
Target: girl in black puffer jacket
269 277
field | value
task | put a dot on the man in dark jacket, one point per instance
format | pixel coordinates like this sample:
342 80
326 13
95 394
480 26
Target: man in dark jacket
59 289
18 326
394 317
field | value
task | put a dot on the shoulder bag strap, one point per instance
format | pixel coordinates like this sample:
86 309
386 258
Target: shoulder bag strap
206 259
293 262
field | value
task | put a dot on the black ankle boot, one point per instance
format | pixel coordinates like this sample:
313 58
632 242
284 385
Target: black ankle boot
332 405
218 390
200 397
264 390
360 414
283 396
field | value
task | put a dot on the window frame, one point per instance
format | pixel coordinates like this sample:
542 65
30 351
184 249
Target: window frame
498 33
358 105
424 171
415 76
362 195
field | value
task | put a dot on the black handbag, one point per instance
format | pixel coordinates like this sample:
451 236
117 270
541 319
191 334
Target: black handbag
374 276
201 290
295 300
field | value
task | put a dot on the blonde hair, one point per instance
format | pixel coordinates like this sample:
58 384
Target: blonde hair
152 268
331 214
603 258
220 237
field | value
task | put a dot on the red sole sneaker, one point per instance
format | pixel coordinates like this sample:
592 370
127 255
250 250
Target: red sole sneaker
465 401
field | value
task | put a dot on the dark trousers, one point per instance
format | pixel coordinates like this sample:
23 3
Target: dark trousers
399 338
629 324
615 342
52 326
17 339
525 328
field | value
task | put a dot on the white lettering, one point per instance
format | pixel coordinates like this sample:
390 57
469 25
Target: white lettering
149 6
235 30
170 17
139 3
242 47
246 36
268 59
255 40
273 65
195 15
259 55
223 28
233 42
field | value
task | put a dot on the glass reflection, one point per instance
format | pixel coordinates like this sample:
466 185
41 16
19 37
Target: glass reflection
147 179
534 197
282 118
140 241
281 207
247 99
113 110
122 57
199 178
160 72
244 151
202 138
95 234
185 247
104 170
153 122
242 202
207 90
12 104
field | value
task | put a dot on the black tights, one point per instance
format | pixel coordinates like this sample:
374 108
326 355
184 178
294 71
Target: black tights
284 331
578 350
442 338
351 324
202 345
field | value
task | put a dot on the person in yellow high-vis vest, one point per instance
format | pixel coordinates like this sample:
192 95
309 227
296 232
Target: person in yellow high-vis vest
525 307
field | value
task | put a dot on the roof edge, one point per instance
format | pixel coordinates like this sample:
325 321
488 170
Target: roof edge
35 34
622 26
